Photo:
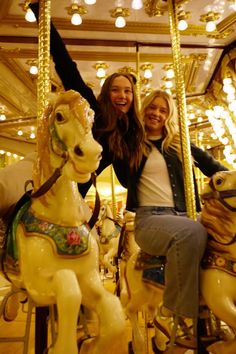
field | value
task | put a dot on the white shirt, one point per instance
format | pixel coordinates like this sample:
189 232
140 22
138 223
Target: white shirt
154 188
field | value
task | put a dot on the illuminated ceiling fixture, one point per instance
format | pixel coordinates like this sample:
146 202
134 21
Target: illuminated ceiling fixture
210 19
119 13
147 68
76 11
2 116
90 2
232 4
137 4
182 17
33 66
101 70
29 15
168 68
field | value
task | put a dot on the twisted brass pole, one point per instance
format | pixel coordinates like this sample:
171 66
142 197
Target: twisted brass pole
138 76
113 195
182 112
43 84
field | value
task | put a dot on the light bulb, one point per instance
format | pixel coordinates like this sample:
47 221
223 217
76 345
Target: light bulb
76 19
169 84
170 73
2 116
90 2
137 4
29 16
182 25
33 70
210 26
120 22
101 72
147 74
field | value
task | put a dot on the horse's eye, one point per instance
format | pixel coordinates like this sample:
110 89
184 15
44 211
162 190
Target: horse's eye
59 117
219 181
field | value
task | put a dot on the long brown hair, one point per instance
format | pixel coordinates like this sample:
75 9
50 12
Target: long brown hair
125 132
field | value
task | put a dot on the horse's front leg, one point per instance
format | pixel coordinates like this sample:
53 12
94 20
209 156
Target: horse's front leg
107 260
68 300
112 330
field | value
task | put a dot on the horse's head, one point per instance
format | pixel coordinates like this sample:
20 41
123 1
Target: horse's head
219 207
65 137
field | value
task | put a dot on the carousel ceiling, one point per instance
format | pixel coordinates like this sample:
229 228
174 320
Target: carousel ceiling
208 61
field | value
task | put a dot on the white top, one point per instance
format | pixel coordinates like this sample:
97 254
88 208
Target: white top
154 188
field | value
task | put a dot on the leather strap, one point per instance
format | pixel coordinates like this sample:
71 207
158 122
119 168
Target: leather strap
96 209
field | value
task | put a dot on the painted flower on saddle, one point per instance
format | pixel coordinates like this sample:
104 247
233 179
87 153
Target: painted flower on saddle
73 238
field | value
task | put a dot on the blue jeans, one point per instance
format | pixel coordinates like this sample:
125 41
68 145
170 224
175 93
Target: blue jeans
165 232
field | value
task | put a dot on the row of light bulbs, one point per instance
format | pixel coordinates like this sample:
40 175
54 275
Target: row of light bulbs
76 10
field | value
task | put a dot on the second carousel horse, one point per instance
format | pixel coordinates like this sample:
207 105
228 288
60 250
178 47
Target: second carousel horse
218 281
109 233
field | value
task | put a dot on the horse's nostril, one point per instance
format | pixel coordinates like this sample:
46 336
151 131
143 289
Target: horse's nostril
78 151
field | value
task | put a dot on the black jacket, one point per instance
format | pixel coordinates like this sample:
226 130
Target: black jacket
204 161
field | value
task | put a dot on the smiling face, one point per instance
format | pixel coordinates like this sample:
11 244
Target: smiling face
155 116
121 93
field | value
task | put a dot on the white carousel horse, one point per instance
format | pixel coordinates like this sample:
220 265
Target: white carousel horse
109 232
53 254
218 284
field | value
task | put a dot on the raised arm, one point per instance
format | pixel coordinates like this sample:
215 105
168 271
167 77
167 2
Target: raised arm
65 67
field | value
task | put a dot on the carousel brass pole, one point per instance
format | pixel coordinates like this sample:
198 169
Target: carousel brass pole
43 84
113 196
43 88
182 110
138 75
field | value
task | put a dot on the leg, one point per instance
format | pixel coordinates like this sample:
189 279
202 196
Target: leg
68 300
183 242
112 331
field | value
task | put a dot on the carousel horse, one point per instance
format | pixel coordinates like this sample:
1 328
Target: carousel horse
51 251
218 282
218 291
109 232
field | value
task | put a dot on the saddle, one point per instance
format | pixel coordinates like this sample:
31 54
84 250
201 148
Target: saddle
152 267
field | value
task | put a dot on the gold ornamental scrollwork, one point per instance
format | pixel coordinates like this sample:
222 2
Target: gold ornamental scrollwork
159 7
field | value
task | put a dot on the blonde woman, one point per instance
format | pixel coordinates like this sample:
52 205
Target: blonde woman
156 193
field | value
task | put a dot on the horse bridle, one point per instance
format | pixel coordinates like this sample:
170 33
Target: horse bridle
220 195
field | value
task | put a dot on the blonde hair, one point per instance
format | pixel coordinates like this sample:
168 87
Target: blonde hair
170 133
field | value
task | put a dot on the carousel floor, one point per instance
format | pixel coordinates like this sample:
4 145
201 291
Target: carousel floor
16 328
